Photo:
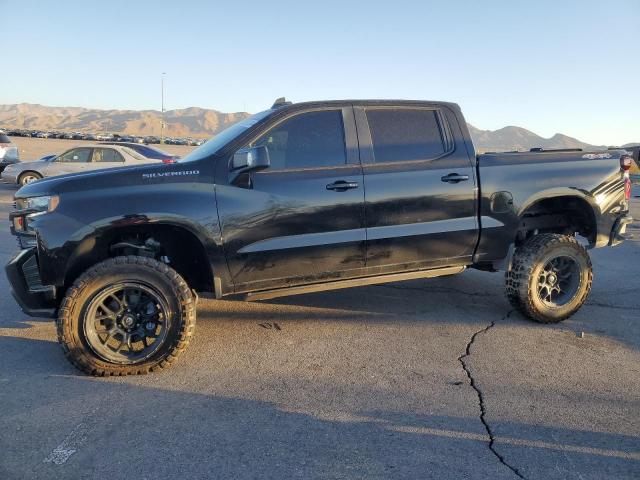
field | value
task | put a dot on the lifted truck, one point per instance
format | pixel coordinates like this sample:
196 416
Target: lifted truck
300 198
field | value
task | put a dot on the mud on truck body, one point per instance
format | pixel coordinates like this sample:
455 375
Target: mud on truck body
300 198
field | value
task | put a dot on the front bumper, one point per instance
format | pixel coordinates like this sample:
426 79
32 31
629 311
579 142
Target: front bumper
8 177
619 231
35 299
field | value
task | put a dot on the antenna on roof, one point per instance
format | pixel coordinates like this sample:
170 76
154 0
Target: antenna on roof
280 102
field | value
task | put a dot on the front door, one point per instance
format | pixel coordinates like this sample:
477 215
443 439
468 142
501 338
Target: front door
302 219
420 189
72 161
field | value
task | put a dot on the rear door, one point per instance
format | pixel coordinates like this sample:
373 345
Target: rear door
420 198
302 219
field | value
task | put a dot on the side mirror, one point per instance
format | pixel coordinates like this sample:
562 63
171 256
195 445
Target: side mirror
247 159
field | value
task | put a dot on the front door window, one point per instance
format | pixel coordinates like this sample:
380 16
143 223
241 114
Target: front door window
77 155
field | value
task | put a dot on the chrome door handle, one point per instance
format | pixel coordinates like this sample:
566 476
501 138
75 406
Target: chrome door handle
341 186
454 178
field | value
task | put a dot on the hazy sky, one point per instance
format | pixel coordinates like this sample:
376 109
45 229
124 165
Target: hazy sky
549 66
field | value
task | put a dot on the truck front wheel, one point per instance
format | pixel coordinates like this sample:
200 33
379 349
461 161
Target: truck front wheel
126 315
550 277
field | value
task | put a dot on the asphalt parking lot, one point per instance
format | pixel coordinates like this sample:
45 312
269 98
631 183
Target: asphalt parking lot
425 379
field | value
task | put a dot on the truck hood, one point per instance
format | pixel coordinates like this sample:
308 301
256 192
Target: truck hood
155 173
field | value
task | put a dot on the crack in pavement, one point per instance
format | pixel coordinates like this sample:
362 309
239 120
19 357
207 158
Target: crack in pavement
483 411
609 305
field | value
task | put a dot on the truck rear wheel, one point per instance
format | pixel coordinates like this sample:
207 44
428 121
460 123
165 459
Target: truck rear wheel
550 278
126 315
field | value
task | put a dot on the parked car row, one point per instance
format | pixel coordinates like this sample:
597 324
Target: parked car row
112 137
193 142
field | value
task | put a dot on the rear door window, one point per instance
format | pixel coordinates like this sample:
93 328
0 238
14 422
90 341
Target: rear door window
104 155
405 134
311 139
77 155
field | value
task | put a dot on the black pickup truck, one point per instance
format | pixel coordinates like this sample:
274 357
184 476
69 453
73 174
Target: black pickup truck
300 198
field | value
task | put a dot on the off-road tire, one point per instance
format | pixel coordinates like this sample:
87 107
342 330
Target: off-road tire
24 175
164 279
528 260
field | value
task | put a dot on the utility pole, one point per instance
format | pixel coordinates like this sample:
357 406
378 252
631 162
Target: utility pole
162 107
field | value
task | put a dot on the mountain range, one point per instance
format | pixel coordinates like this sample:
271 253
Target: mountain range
186 122
518 138
202 122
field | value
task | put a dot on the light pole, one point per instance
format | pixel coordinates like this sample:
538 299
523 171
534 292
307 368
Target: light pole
162 107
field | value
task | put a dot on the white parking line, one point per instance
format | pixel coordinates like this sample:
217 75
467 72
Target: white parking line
69 445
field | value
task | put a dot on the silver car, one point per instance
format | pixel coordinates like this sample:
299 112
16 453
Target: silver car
78 159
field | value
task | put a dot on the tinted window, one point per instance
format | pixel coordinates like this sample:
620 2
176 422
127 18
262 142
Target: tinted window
77 155
314 139
106 155
404 134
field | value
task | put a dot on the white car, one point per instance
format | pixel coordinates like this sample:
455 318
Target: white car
78 159
8 152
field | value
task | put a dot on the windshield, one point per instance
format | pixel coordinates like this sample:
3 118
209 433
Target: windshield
221 139
151 152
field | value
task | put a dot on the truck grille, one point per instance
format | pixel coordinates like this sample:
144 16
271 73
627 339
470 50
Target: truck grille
32 274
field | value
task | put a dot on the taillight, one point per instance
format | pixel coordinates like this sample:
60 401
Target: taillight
625 162
168 160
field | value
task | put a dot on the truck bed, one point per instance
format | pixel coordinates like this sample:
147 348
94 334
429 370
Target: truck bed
513 183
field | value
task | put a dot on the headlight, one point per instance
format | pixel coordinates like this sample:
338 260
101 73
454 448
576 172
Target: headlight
40 204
